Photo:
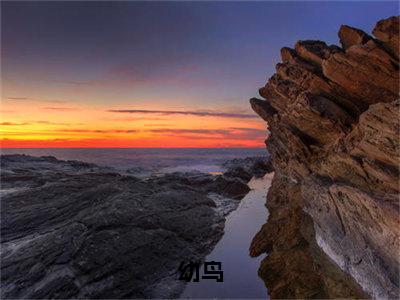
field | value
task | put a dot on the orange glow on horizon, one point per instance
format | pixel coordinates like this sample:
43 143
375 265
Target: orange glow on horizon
26 124
123 144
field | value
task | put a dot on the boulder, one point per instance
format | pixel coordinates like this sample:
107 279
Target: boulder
350 36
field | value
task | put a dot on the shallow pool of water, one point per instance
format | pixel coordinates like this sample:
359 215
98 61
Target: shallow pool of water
240 270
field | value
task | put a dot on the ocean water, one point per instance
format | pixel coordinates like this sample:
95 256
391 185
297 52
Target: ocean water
162 160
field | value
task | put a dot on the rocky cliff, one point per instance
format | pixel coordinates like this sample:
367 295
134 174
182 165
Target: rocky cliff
333 115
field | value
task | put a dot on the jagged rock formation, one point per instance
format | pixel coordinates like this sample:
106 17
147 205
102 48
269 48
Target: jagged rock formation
75 230
333 114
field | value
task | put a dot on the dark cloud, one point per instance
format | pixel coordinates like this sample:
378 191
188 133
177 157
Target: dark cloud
156 125
191 131
186 112
74 82
230 133
134 119
249 130
60 108
234 133
97 131
19 98
53 123
33 99
36 122
13 124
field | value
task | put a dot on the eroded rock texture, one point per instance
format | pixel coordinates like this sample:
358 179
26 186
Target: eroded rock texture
75 230
333 114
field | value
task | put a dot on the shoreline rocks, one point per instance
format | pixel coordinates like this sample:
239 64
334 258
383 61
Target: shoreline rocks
76 230
248 167
333 116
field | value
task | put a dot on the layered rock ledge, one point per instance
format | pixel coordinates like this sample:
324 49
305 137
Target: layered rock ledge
333 114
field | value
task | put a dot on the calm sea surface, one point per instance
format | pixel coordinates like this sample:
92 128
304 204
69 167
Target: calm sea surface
162 159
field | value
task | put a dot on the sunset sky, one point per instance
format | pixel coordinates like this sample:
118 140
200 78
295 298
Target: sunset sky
134 74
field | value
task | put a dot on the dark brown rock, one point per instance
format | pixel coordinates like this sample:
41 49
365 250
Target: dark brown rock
263 109
350 36
333 116
366 72
314 51
387 31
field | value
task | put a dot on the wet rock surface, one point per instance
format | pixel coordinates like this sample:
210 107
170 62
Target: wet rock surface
333 113
248 167
234 187
75 230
